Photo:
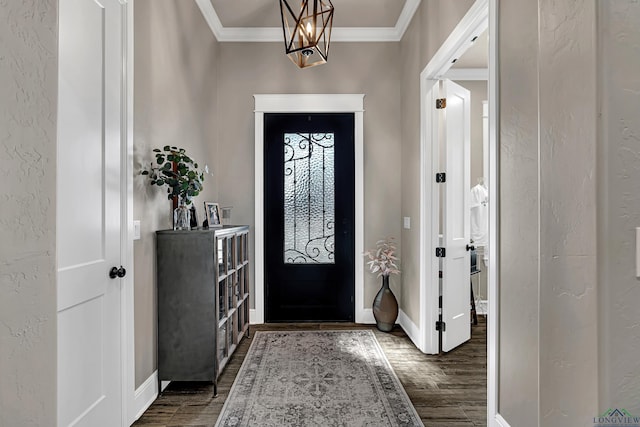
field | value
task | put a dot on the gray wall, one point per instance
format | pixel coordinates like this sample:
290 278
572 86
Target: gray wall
619 204
478 89
568 279
28 90
432 24
548 333
175 103
519 208
262 68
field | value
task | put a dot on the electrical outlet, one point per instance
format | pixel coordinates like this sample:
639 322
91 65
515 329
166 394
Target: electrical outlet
406 222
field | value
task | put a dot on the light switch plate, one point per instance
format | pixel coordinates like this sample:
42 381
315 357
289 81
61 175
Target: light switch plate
406 221
136 229
638 252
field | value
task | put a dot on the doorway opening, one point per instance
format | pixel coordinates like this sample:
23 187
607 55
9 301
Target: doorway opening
447 145
481 18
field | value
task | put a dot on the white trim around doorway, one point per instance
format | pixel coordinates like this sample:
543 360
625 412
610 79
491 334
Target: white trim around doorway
482 14
494 417
309 103
126 228
472 24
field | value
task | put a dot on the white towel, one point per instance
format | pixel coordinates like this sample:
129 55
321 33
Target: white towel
479 215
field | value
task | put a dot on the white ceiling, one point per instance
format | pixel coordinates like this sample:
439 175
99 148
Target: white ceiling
347 13
354 20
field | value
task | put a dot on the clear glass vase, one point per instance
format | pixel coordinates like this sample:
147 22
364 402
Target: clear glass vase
181 216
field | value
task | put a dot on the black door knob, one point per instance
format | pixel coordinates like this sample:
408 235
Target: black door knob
471 248
117 272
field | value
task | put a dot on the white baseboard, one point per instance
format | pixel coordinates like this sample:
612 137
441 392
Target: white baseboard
145 395
365 316
482 307
501 422
253 317
413 332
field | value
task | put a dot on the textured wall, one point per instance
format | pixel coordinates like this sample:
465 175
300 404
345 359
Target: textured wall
175 103
519 207
28 90
567 116
432 24
548 337
619 203
263 68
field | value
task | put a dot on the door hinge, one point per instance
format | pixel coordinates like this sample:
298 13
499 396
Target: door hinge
441 252
441 177
441 103
351 298
441 326
439 274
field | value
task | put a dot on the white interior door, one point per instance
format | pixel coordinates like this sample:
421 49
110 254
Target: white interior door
456 264
88 212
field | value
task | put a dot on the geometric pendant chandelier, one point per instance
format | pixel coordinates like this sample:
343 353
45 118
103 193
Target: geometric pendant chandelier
307 30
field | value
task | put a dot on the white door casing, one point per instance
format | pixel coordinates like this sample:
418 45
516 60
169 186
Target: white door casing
472 24
456 265
89 212
309 103
482 14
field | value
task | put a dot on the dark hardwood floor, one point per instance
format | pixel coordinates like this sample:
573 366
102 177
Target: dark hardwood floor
447 390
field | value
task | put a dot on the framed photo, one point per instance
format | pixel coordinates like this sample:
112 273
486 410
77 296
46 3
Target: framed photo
212 211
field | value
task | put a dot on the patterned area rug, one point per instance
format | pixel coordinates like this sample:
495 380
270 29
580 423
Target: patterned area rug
319 379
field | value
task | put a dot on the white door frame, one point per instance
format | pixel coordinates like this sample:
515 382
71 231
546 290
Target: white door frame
129 407
134 401
473 23
482 14
309 103
493 306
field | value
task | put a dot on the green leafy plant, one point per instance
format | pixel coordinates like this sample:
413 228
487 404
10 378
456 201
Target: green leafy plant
382 259
176 170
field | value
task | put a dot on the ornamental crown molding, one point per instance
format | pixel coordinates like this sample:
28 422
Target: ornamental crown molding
338 34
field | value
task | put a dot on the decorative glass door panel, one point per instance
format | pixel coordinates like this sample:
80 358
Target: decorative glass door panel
309 217
309 202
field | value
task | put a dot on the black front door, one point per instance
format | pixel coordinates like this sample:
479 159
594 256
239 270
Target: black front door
309 217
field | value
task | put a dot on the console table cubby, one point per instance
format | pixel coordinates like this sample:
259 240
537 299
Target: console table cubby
203 300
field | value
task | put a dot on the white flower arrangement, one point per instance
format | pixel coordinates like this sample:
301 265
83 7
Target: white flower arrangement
382 259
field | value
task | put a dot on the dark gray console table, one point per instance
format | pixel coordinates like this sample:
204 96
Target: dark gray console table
203 301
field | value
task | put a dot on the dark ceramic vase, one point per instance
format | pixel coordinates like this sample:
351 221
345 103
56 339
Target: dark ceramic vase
385 307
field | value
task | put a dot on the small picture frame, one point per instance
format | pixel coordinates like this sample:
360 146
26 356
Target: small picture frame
212 213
